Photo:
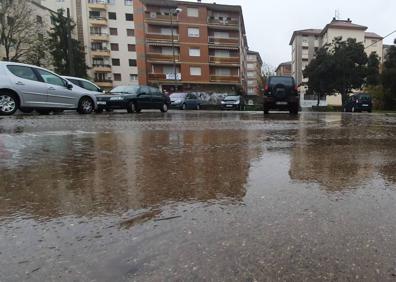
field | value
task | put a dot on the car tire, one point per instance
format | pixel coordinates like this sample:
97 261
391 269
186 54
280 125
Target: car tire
184 107
85 106
9 104
164 108
43 112
26 110
131 107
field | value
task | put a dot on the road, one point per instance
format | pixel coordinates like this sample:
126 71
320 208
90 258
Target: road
193 196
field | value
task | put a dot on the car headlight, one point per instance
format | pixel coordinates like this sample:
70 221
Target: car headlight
116 98
236 103
222 102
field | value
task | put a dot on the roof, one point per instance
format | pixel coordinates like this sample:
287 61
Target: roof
310 31
343 24
373 35
284 64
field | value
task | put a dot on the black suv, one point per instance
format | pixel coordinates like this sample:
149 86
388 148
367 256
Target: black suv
358 103
281 93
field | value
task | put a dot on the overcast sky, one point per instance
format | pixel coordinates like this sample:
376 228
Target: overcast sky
270 24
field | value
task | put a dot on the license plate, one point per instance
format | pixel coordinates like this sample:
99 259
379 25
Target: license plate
101 103
365 105
281 103
229 106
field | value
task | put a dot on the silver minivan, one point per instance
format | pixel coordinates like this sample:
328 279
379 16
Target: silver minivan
29 88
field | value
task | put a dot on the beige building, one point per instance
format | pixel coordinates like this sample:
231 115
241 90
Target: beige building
284 69
254 74
106 27
306 42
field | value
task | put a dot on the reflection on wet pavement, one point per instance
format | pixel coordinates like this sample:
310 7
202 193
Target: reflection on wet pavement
198 196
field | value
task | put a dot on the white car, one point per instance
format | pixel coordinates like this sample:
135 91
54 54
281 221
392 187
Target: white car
28 88
85 84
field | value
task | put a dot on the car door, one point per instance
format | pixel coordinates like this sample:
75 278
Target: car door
33 91
144 97
59 96
157 98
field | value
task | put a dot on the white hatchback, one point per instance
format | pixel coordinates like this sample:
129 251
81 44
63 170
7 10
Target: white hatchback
29 88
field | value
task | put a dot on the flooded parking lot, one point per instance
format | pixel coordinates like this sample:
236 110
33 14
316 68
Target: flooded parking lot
192 196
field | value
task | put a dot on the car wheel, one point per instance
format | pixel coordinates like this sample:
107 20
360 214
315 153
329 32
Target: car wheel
86 106
184 107
43 112
26 110
198 107
164 108
131 107
8 104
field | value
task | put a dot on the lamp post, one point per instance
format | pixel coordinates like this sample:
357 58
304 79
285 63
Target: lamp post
171 14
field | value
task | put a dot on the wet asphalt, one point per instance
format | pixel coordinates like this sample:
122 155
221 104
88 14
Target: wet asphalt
198 196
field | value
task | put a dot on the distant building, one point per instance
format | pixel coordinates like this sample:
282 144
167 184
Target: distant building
206 42
254 74
284 69
305 42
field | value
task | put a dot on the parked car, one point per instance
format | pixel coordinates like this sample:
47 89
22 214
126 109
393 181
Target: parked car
85 84
29 88
134 99
358 103
233 102
281 93
185 101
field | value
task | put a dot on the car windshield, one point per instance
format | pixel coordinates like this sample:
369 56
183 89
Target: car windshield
125 90
231 98
178 95
281 80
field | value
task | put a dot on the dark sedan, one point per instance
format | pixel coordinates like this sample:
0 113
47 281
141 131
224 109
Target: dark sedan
358 103
185 101
134 99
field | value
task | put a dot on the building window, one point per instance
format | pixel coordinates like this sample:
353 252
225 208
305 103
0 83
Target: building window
251 66
224 72
195 71
132 63
115 62
114 47
195 52
133 77
192 12
39 20
131 48
222 53
113 31
193 32
130 32
112 16
129 17
128 2
117 76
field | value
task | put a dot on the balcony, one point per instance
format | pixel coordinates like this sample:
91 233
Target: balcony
100 53
157 37
160 18
225 60
104 83
101 67
99 37
98 4
226 22
164 77
223 41
98 21
225 78
158 57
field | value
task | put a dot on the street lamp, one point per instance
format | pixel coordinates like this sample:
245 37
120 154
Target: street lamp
171 14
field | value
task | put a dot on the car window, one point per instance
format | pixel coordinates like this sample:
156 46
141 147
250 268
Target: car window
23 72
144 90
75 81
281 80
51 78
192 96
89 86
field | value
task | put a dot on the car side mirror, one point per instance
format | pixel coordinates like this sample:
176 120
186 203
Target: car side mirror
100 90
69 86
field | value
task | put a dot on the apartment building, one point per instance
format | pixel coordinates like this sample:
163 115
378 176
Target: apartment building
106 27
254 73
284 69
191 46
305 43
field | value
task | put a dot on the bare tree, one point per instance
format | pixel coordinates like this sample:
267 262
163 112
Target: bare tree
19 29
